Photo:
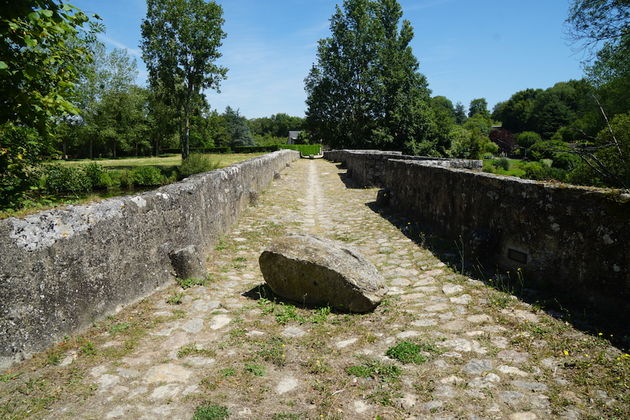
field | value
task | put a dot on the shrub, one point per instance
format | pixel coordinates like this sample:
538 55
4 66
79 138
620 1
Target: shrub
255 149
147 176
541 172
99 177
196 163
125 179
502 163
565 161
527 139
59 179
304 149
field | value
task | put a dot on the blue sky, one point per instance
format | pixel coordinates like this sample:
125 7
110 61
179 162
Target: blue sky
467 49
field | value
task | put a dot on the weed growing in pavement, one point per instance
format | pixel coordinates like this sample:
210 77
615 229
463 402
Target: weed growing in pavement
175 298
88 348
120 327
274 351
375 369
188 283
407 352
285 313
194 350
211 412
227 372
255 369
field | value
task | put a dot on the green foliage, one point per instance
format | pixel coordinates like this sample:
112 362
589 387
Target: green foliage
176 298
147 176
237 129
503 163
273 351
406 352
615 150
609 164
527 139
227 372
269 140
255 369
180 44
196 163
194 350
542 172
211 412
472 140
120 327
304 149
99 177
365 90
277 126
88 348
547 111
188 283
596 21
20 149
460 113
43 44
546 149
375 369
125 179
478 106
59 179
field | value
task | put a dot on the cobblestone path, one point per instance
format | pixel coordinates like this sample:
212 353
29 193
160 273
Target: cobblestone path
442 346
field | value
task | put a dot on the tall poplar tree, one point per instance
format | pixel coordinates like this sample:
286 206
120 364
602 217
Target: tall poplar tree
180 45
365 90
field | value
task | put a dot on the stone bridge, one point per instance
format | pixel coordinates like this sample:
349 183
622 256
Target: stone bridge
229 346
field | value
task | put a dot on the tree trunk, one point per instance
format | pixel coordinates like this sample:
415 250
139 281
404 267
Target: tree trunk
186 133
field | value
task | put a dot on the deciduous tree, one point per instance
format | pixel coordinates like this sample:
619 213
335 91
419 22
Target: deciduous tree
180 45
365 90
42 46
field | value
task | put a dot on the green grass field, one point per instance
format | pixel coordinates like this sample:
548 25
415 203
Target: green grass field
514 167
161 162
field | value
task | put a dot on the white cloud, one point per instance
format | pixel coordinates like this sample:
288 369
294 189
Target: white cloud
132 51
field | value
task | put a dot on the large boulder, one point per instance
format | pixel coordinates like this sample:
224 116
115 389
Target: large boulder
317 271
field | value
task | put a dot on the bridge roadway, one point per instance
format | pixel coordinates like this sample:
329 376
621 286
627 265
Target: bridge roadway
484 354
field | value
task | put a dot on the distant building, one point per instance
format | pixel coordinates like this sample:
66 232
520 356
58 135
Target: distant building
293 136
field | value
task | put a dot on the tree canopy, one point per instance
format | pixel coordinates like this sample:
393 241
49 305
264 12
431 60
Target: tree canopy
180 45
365 90
43 45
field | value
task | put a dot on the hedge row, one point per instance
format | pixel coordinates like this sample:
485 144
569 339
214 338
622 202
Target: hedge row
304 149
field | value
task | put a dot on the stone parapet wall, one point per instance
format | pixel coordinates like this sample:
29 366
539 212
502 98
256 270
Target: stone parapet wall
570 240
62 269
367 166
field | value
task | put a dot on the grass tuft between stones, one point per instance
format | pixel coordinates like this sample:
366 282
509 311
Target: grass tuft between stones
407 352
374 369
188 283
211 412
